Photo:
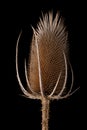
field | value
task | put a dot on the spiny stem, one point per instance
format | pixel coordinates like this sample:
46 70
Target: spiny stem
45 113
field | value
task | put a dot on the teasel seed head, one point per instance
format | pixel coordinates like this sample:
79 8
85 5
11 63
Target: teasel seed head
47 69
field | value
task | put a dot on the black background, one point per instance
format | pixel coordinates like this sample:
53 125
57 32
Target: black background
26 113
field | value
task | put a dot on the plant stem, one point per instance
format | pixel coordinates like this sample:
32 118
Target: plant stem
45 113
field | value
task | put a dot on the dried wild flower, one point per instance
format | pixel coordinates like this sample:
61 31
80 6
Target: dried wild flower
47 70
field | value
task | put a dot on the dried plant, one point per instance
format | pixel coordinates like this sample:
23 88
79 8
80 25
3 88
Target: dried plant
47 70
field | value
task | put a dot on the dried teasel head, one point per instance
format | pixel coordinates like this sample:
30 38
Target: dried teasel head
47 70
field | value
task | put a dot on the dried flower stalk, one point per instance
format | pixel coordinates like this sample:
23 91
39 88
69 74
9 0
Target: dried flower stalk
47 70
45 113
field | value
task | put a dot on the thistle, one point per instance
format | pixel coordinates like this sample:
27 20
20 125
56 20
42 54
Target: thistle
47 69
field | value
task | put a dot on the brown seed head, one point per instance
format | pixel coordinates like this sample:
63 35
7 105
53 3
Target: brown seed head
51 38
46 73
